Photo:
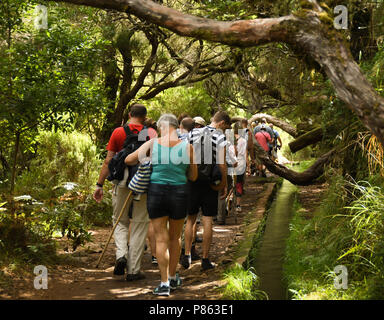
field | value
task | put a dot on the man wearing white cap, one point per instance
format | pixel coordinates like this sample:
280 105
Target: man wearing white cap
199 122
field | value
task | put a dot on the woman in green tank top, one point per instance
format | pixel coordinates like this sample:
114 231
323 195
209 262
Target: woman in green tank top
167 202
170 164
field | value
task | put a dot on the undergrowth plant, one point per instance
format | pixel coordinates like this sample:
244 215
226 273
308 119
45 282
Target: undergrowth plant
54 199
346 229
365 216
242 284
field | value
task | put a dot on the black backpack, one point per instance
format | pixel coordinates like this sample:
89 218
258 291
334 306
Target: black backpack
117 165
208 172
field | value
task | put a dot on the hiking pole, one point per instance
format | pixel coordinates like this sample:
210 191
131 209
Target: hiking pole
114 227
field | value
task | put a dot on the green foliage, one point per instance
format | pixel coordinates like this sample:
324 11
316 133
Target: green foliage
242 284
366 220
61 157
64 159
193 100
61 179
11 12
20 242
48 79
375 68
341 232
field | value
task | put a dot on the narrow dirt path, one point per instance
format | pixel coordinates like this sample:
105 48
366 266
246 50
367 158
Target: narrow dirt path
79 279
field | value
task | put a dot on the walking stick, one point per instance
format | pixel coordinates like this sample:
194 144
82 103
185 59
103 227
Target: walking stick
228 197
114 227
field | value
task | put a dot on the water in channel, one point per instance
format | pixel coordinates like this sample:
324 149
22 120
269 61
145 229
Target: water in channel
269 263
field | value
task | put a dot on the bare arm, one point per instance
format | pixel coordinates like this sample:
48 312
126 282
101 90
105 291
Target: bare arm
98 194
192 170
140 155
223 169
250 146
104 169
222 186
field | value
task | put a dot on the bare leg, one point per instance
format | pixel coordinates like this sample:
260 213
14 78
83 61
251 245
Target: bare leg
152 239
194 232
162 242
175 229
207 235
188 236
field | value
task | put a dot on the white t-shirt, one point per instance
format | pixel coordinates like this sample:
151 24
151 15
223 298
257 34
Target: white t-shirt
241 157
230 158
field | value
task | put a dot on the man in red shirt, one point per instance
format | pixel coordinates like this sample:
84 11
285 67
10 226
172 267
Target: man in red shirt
262 138
126 259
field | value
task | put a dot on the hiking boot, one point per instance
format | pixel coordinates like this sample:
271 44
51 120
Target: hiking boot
238 209
120 266
135 276
194 254
185 261
174 284
162 291
207 265
154 261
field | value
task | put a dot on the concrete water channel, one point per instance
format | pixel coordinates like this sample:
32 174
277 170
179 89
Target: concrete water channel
270 256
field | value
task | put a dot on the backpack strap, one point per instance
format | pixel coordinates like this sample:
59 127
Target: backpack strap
127 130
264 135
147 137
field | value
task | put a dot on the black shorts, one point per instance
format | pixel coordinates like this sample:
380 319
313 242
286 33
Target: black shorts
240 178
166 200
204 197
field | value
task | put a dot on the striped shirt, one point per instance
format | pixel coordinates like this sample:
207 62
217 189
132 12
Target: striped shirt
213 140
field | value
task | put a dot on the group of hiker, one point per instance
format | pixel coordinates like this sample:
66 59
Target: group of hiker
193 166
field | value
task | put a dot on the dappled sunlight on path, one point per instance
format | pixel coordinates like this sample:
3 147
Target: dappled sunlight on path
79 279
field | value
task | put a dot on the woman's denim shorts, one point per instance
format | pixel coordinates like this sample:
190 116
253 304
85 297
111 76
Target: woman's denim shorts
166 200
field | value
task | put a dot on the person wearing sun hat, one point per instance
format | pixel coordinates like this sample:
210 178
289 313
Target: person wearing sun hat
199 122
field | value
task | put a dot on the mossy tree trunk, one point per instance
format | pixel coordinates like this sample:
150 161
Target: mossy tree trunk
306 139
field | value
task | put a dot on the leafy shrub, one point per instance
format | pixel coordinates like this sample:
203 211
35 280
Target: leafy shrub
64 160
19 239
50 205
61 157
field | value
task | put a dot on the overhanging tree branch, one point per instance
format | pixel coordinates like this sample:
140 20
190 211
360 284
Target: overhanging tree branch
306 32
291 130
298 178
